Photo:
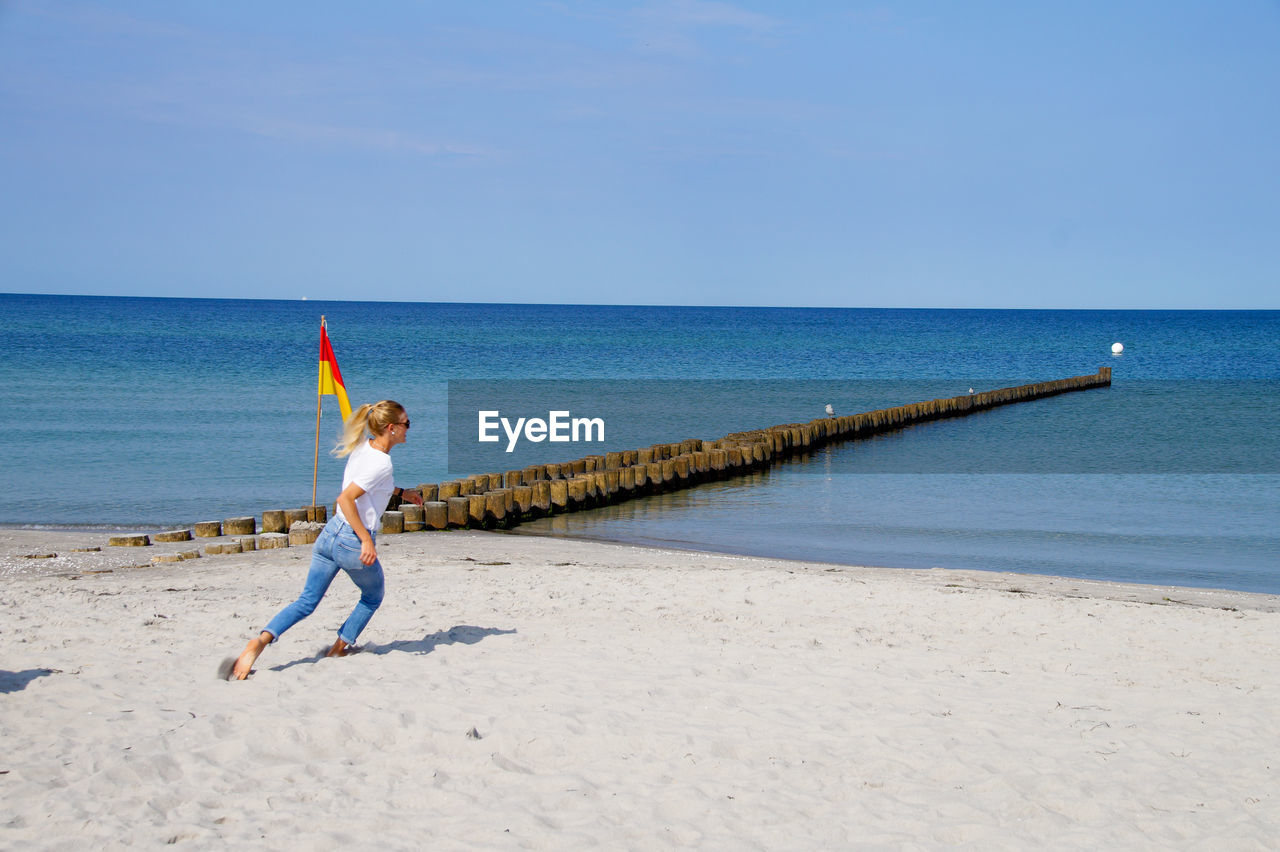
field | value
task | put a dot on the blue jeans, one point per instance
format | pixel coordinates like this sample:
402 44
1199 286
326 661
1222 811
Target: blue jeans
337 547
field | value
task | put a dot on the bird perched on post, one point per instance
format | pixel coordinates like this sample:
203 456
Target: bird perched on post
830 410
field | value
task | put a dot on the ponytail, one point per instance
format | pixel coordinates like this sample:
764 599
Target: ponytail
373 419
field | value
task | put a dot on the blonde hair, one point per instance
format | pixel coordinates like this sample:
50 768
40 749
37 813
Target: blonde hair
373 419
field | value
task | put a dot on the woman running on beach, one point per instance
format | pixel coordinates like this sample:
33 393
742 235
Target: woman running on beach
347 541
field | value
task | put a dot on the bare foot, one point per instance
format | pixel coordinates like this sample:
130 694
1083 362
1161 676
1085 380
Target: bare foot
339 649
244 663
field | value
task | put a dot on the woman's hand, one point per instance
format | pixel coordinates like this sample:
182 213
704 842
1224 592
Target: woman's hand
413 495
368 553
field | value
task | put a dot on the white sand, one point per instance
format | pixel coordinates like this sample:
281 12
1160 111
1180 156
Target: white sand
628 698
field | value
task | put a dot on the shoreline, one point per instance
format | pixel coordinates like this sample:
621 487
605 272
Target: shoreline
26 552
1119 590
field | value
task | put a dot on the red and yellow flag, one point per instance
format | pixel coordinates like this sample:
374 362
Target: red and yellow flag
330 375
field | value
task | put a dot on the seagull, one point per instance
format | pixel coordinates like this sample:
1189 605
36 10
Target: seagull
830 410
970 390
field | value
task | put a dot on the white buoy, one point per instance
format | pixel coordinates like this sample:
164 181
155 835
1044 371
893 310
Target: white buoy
1117 348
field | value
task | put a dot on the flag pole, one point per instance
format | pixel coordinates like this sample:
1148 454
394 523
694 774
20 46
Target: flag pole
315 467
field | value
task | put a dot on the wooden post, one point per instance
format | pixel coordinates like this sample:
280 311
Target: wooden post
239 526
435 515
413 517
476 505
495 505
542 496
559 494
459 511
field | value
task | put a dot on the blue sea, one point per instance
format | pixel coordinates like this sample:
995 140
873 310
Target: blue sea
141 413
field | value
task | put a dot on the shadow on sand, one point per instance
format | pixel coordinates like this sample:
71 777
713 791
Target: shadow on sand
462 634
17 681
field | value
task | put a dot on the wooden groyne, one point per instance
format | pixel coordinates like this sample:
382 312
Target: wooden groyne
505 499
493 500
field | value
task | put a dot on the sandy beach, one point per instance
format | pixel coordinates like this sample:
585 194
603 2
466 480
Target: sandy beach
523 692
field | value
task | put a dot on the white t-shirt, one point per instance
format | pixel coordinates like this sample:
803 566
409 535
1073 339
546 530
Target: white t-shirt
370 468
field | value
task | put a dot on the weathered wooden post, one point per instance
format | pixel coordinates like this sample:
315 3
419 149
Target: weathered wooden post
240 526
577 492
459 510
273 521
304 532
273 540
522 495
542 496
477 506
435 515
495 506
413 517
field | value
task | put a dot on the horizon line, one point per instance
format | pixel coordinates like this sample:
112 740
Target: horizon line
624 304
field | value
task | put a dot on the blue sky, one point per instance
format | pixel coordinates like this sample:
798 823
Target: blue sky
923 154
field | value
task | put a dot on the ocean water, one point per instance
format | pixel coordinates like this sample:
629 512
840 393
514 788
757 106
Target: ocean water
123 412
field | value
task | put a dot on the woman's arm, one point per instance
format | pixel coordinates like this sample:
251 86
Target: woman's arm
413 495
347 503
